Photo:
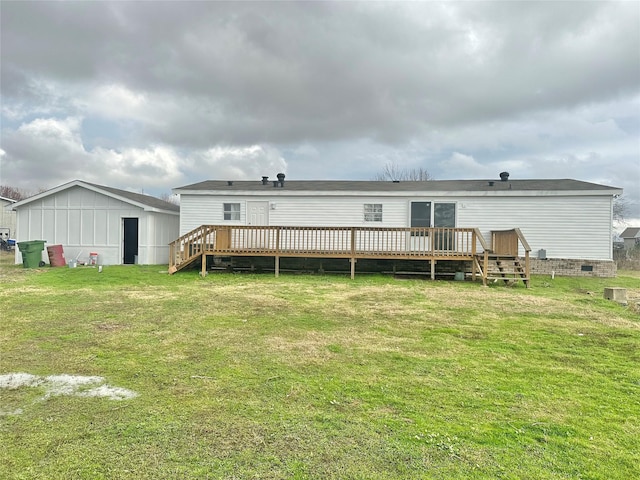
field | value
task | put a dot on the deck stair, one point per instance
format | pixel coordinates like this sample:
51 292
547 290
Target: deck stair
508 269
190 247
501 260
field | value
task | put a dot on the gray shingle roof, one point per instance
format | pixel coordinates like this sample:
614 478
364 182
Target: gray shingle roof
402 186
630 232
147 200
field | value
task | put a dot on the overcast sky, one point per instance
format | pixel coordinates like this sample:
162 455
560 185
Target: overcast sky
149 96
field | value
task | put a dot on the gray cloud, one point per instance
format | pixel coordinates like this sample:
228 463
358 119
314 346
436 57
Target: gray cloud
426 83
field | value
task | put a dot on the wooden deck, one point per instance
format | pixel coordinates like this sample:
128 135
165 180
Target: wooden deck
353 243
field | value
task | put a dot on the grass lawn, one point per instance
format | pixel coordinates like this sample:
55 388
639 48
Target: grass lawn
307 376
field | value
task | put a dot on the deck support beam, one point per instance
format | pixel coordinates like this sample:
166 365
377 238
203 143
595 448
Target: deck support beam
353 267
277 265
203 272
433 269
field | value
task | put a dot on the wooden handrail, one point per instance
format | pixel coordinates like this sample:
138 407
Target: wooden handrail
337 242
523 241
483 242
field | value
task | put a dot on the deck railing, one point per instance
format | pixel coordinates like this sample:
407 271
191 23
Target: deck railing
329 242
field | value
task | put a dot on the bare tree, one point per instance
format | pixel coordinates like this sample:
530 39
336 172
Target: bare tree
13 193
393 172
170 197
620 209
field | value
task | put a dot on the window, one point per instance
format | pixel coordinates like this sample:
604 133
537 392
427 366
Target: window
231 211
444 215
420 214
372 212
420 218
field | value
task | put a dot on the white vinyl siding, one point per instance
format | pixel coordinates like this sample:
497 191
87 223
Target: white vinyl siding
571 226
196 210
566 227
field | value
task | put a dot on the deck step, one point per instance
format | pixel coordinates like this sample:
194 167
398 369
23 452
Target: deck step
500 277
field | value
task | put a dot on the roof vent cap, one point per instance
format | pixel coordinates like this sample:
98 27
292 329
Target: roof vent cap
265 180
504 176
230 182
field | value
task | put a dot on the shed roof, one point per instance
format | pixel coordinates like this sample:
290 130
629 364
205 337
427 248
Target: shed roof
145 202
555 185
631 232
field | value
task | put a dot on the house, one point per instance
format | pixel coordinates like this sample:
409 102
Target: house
566 224
7 218
631 237
122 227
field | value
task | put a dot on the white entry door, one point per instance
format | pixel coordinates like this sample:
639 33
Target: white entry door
257 213
257 216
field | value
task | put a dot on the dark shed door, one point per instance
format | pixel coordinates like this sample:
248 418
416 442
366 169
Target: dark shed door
130 240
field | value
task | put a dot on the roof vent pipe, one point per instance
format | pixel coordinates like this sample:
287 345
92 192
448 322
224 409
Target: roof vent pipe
491 183
265 180
229 182
504 176
281 179
275 183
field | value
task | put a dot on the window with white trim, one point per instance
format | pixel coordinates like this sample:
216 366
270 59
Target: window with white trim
231 211
372 212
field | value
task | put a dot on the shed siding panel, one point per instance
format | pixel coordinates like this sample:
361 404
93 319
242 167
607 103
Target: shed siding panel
35 224
87 227
101 227
114 232
49 226
74 227
62 227
161 230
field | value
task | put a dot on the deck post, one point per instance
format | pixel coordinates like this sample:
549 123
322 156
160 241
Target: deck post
474 252
353 267
433 269
485 268
204 265
277 266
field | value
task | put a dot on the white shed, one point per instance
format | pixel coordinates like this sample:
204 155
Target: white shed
7 218
122 227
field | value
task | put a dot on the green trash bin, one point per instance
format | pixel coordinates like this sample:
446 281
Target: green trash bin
32 253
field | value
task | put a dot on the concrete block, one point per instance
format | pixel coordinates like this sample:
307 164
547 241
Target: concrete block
617 294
